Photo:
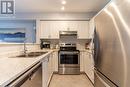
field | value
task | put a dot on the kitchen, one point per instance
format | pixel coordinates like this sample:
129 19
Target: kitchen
64 43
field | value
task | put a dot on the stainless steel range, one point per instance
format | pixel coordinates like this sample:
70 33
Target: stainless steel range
69 60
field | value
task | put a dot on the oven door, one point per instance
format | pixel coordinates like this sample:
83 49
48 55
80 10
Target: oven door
69 58
69 62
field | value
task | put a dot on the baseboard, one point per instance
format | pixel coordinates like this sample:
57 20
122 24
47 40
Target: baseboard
88 78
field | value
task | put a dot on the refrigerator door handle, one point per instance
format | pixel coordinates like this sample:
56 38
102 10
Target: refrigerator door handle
96 47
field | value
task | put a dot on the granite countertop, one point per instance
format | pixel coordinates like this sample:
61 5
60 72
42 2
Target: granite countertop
11 68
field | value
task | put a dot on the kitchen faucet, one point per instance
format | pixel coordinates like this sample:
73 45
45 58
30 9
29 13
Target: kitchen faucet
25 48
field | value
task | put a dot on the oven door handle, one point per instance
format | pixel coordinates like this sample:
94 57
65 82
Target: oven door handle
66 52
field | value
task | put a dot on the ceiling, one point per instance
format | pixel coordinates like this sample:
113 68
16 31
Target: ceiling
40 6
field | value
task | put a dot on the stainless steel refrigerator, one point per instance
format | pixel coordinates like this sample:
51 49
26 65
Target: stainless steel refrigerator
112 45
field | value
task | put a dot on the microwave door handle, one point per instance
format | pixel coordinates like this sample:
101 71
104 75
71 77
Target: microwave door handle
96 47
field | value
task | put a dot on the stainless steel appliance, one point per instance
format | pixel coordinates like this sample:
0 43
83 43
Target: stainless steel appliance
31 78
112 45
68 33
44 44
69 60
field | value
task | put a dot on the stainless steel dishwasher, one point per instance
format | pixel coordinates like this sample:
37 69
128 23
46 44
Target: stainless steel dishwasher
31 78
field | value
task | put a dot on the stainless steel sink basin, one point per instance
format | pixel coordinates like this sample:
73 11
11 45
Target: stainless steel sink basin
30 55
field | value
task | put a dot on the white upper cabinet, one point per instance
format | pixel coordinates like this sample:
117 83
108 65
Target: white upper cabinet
91 28
71 25
45 28
62 25
54 30
83 30
50 29
66 25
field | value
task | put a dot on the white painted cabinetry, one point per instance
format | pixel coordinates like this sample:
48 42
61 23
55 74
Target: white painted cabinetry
83 30
81 61
45 28
55 61
89 65
91 28
54 30
47 70
45 75
49 65
50 29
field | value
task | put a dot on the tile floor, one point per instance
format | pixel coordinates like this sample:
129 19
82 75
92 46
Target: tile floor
70 81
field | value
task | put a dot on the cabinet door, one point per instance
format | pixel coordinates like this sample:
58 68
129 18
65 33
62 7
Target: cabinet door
62 25
91 28
49 66
87 63
92 68
89 66
45 71
68 25
55 61
81 61
72 25
83 28
45 29
54 30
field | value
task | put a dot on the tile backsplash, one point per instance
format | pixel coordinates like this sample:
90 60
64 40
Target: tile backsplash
69 39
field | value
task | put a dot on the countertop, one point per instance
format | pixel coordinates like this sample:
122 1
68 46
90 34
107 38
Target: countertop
11 68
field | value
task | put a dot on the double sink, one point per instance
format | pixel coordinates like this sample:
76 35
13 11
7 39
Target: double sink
30 55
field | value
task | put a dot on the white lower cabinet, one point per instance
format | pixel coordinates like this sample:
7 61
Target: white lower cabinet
55 61
47 70
50 68
87 64
83 30
81 61
49 65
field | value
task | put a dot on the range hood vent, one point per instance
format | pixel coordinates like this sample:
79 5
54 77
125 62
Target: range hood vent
68 33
